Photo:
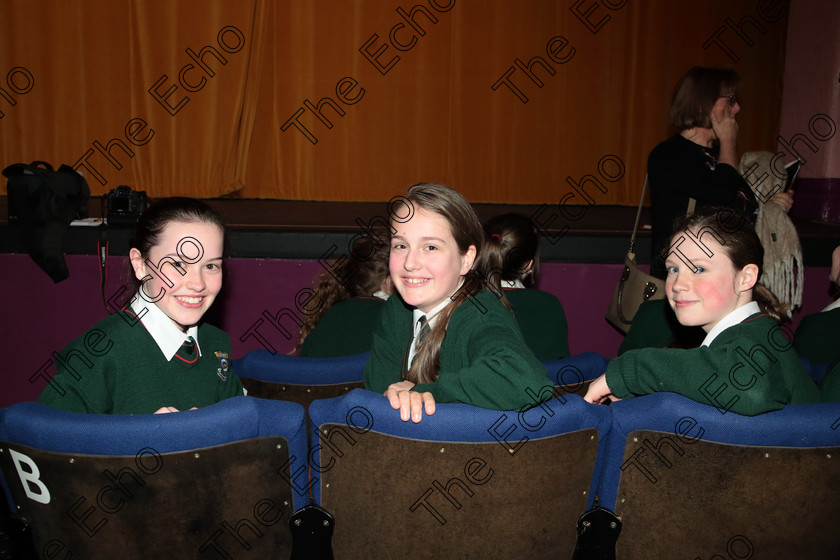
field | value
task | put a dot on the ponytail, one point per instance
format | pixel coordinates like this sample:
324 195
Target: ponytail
514 246
770 304
490 266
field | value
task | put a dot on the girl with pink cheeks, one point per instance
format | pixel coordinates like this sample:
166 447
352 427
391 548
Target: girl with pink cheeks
445 339
745 364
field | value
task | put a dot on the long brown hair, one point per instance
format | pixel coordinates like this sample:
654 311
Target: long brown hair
741 244
361 274
467 231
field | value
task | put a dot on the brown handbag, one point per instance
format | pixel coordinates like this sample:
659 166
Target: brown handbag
634 287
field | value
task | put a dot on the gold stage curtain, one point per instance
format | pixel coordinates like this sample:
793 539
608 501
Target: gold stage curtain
354 100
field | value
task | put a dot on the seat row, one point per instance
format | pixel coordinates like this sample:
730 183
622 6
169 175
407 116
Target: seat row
246 477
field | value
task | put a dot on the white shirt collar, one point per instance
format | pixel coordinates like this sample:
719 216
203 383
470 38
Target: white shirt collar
381 295
166 334
513 284
733 318
833 305
431 316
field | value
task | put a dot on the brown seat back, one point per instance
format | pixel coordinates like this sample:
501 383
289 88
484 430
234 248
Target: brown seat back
703 499
463 483
187 504
301 394
691 480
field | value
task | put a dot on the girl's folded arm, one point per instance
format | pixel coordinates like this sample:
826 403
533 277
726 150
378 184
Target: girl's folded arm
502 373
719 377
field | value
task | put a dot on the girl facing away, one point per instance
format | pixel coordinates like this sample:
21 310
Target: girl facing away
746 364
156 355
512 250
445 339
816 336
350 297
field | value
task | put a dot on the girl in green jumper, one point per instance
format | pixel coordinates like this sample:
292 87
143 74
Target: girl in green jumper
816 337
512 249
745 364
444 339
156 356
349 297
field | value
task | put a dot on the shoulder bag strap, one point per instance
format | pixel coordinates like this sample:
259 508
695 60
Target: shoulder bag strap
638 216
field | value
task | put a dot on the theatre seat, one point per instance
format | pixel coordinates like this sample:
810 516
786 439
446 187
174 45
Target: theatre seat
301 380
464 483
690 482
815 371
192 484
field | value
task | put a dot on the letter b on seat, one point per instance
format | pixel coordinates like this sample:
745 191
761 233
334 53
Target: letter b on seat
30 479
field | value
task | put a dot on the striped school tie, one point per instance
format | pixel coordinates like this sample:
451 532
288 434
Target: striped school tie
425 329
187 352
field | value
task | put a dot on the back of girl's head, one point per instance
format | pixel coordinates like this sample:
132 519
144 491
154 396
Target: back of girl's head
511 243
361 274
697 92
162 212
741 244
367 267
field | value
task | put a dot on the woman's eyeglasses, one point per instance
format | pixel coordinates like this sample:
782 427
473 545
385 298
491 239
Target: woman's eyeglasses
733 99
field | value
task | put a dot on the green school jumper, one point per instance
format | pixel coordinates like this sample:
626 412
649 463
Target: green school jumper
542 321
656 326
817 337
346 329
484 360
749 368
117 368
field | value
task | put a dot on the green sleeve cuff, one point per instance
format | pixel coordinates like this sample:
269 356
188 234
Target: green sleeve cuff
615 377
432 388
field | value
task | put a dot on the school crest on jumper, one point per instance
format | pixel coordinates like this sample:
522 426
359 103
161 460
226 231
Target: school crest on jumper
224 365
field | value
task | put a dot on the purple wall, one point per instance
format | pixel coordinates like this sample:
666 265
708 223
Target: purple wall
41 317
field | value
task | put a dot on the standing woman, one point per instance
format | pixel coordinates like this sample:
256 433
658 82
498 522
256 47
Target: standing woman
156 355
701 160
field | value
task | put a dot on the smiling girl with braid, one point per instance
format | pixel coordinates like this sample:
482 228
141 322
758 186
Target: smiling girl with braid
445 339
